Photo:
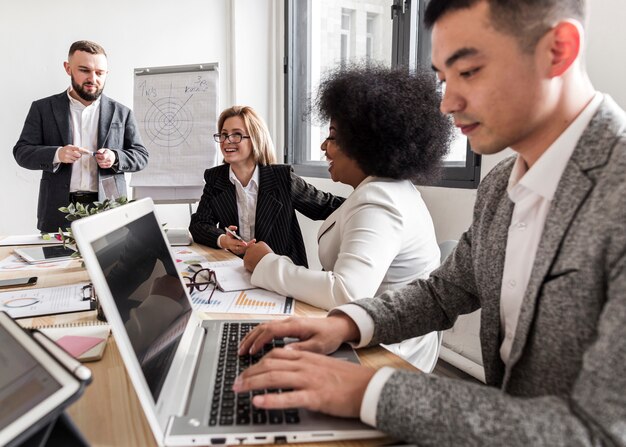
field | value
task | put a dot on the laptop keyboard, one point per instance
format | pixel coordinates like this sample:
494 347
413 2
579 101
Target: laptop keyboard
230 408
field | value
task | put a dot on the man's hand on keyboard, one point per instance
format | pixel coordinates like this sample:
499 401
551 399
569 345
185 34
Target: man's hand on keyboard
321 335
307 380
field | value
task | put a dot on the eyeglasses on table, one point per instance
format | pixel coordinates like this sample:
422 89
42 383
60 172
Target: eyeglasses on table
201 280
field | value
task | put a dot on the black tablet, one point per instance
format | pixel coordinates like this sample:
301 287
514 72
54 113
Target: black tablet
34 386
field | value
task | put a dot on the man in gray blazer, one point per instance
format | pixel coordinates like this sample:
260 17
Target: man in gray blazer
544 258
82 140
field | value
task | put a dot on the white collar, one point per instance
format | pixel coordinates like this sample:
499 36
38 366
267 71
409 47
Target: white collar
76 103
253 180
544 176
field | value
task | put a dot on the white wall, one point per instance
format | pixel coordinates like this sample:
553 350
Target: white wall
239 34
35 36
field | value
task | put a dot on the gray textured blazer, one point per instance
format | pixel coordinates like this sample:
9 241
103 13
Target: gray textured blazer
281 192
47 127
565 383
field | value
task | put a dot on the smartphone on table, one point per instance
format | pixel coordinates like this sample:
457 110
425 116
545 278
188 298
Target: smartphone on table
18 282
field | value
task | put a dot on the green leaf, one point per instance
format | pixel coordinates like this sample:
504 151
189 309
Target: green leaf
78 211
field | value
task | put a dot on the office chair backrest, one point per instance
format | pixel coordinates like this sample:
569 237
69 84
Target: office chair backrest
446 247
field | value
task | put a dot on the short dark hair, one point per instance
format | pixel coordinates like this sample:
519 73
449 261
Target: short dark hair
388 119
87 46
528 20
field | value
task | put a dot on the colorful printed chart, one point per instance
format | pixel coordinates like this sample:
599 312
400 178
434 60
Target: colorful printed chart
253 301
185 256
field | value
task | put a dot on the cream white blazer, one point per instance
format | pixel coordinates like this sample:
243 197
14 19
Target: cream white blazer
381 238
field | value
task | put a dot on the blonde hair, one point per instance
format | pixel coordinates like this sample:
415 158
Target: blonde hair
262 145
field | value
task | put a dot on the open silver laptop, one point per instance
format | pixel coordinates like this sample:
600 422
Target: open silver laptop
176 361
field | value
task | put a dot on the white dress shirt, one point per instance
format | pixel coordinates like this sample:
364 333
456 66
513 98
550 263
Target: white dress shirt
84 126
532 191
246 203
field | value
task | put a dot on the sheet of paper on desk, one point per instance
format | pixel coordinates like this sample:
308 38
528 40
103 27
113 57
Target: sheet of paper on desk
45 301
13 263
28 239
254 301
185 256
231 275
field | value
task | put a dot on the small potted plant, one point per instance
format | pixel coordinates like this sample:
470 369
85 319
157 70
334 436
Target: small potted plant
78 211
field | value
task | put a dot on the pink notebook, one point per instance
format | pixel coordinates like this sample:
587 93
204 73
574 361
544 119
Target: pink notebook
85 342
77 345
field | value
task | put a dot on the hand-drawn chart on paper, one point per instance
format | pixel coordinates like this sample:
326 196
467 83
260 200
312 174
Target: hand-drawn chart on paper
176 111
169 121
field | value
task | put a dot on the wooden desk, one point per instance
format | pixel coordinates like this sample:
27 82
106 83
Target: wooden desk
109 412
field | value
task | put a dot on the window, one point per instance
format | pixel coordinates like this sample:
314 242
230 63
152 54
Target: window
345 33
370 36
322 34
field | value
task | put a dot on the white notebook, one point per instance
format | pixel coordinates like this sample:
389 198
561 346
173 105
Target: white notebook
231 275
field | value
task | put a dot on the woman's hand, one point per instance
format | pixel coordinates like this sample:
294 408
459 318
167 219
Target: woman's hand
233 244
254 253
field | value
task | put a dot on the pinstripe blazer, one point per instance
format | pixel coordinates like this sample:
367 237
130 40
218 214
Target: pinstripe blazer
281 192
47 127
565 380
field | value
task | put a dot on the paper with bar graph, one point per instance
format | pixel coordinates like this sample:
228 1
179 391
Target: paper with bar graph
252 301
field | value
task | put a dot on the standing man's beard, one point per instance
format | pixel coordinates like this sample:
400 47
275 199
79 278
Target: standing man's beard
84 94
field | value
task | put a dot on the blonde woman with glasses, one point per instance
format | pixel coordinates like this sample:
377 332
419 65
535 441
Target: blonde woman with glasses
251 198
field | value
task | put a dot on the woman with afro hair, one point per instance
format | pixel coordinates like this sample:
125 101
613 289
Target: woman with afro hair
385 134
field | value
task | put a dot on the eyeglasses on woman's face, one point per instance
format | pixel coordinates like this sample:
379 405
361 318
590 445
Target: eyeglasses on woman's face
232 138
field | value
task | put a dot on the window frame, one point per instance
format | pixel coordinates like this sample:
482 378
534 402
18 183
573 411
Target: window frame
468 176
410 46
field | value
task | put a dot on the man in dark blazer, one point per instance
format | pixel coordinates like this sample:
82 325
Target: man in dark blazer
544 258
82 140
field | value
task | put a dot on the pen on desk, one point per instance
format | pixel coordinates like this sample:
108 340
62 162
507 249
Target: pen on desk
73 365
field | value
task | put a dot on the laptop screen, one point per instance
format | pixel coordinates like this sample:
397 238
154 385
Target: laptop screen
148 293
